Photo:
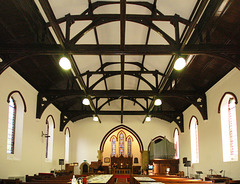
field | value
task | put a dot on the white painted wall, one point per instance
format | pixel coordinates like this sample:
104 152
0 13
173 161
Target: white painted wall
33 145
210 140
87 134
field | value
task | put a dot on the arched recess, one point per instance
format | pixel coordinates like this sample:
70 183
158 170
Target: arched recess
19 93
158 138
125 128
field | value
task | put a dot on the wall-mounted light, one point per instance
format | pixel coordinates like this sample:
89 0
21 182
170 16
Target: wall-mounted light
86 101
1 60
65 63
158 102
148 118
45 135
180 63
95 118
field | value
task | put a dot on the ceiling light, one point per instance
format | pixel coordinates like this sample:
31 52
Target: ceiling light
65 63
95 118
1 60
148 118
86 101
180 63
158 102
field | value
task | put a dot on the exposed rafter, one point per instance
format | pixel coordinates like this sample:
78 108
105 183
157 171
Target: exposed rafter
53 22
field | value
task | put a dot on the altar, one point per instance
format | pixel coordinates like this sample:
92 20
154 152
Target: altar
121 165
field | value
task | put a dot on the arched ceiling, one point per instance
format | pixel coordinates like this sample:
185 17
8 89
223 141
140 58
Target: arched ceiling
122 53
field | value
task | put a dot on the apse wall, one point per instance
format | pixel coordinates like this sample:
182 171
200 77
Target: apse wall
32 159
210 138
87 134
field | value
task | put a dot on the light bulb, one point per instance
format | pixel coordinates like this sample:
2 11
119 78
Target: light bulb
180 63
148 118
158 102
65 63
95 118
85 101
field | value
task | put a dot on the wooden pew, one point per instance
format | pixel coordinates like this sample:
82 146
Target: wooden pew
174 179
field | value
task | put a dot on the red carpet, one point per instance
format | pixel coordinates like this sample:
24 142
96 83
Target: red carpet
122 179
121 176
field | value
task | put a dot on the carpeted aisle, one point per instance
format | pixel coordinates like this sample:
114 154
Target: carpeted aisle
122 179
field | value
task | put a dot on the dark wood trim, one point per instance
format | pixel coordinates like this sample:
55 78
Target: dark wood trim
68 131
220 102
174 132
24 103
191 121
52 119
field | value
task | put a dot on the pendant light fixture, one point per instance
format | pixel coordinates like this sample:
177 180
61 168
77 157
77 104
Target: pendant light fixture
180 63
86 101
158 102
65 63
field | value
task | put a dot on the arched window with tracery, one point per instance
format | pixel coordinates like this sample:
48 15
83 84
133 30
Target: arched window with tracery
229 127
129 146
11 125
194 140
176 143
114 146
121 144
50 125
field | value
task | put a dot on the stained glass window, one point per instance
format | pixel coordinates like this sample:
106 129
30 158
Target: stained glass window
121 144
114 146
129 147
11 126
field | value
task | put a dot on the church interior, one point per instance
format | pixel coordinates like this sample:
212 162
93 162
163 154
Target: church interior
119 91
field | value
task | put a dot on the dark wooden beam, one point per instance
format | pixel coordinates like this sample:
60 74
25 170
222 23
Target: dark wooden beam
122 46
91 49
129 17
53 22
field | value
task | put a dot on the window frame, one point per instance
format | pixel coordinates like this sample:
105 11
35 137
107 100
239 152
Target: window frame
194 139
13 122
228 127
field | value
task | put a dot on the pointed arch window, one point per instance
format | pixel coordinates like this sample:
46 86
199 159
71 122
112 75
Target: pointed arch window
194 140
176 143
229 127
11 125
16 109
50 125
114 146
121 144
67 143
129 146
